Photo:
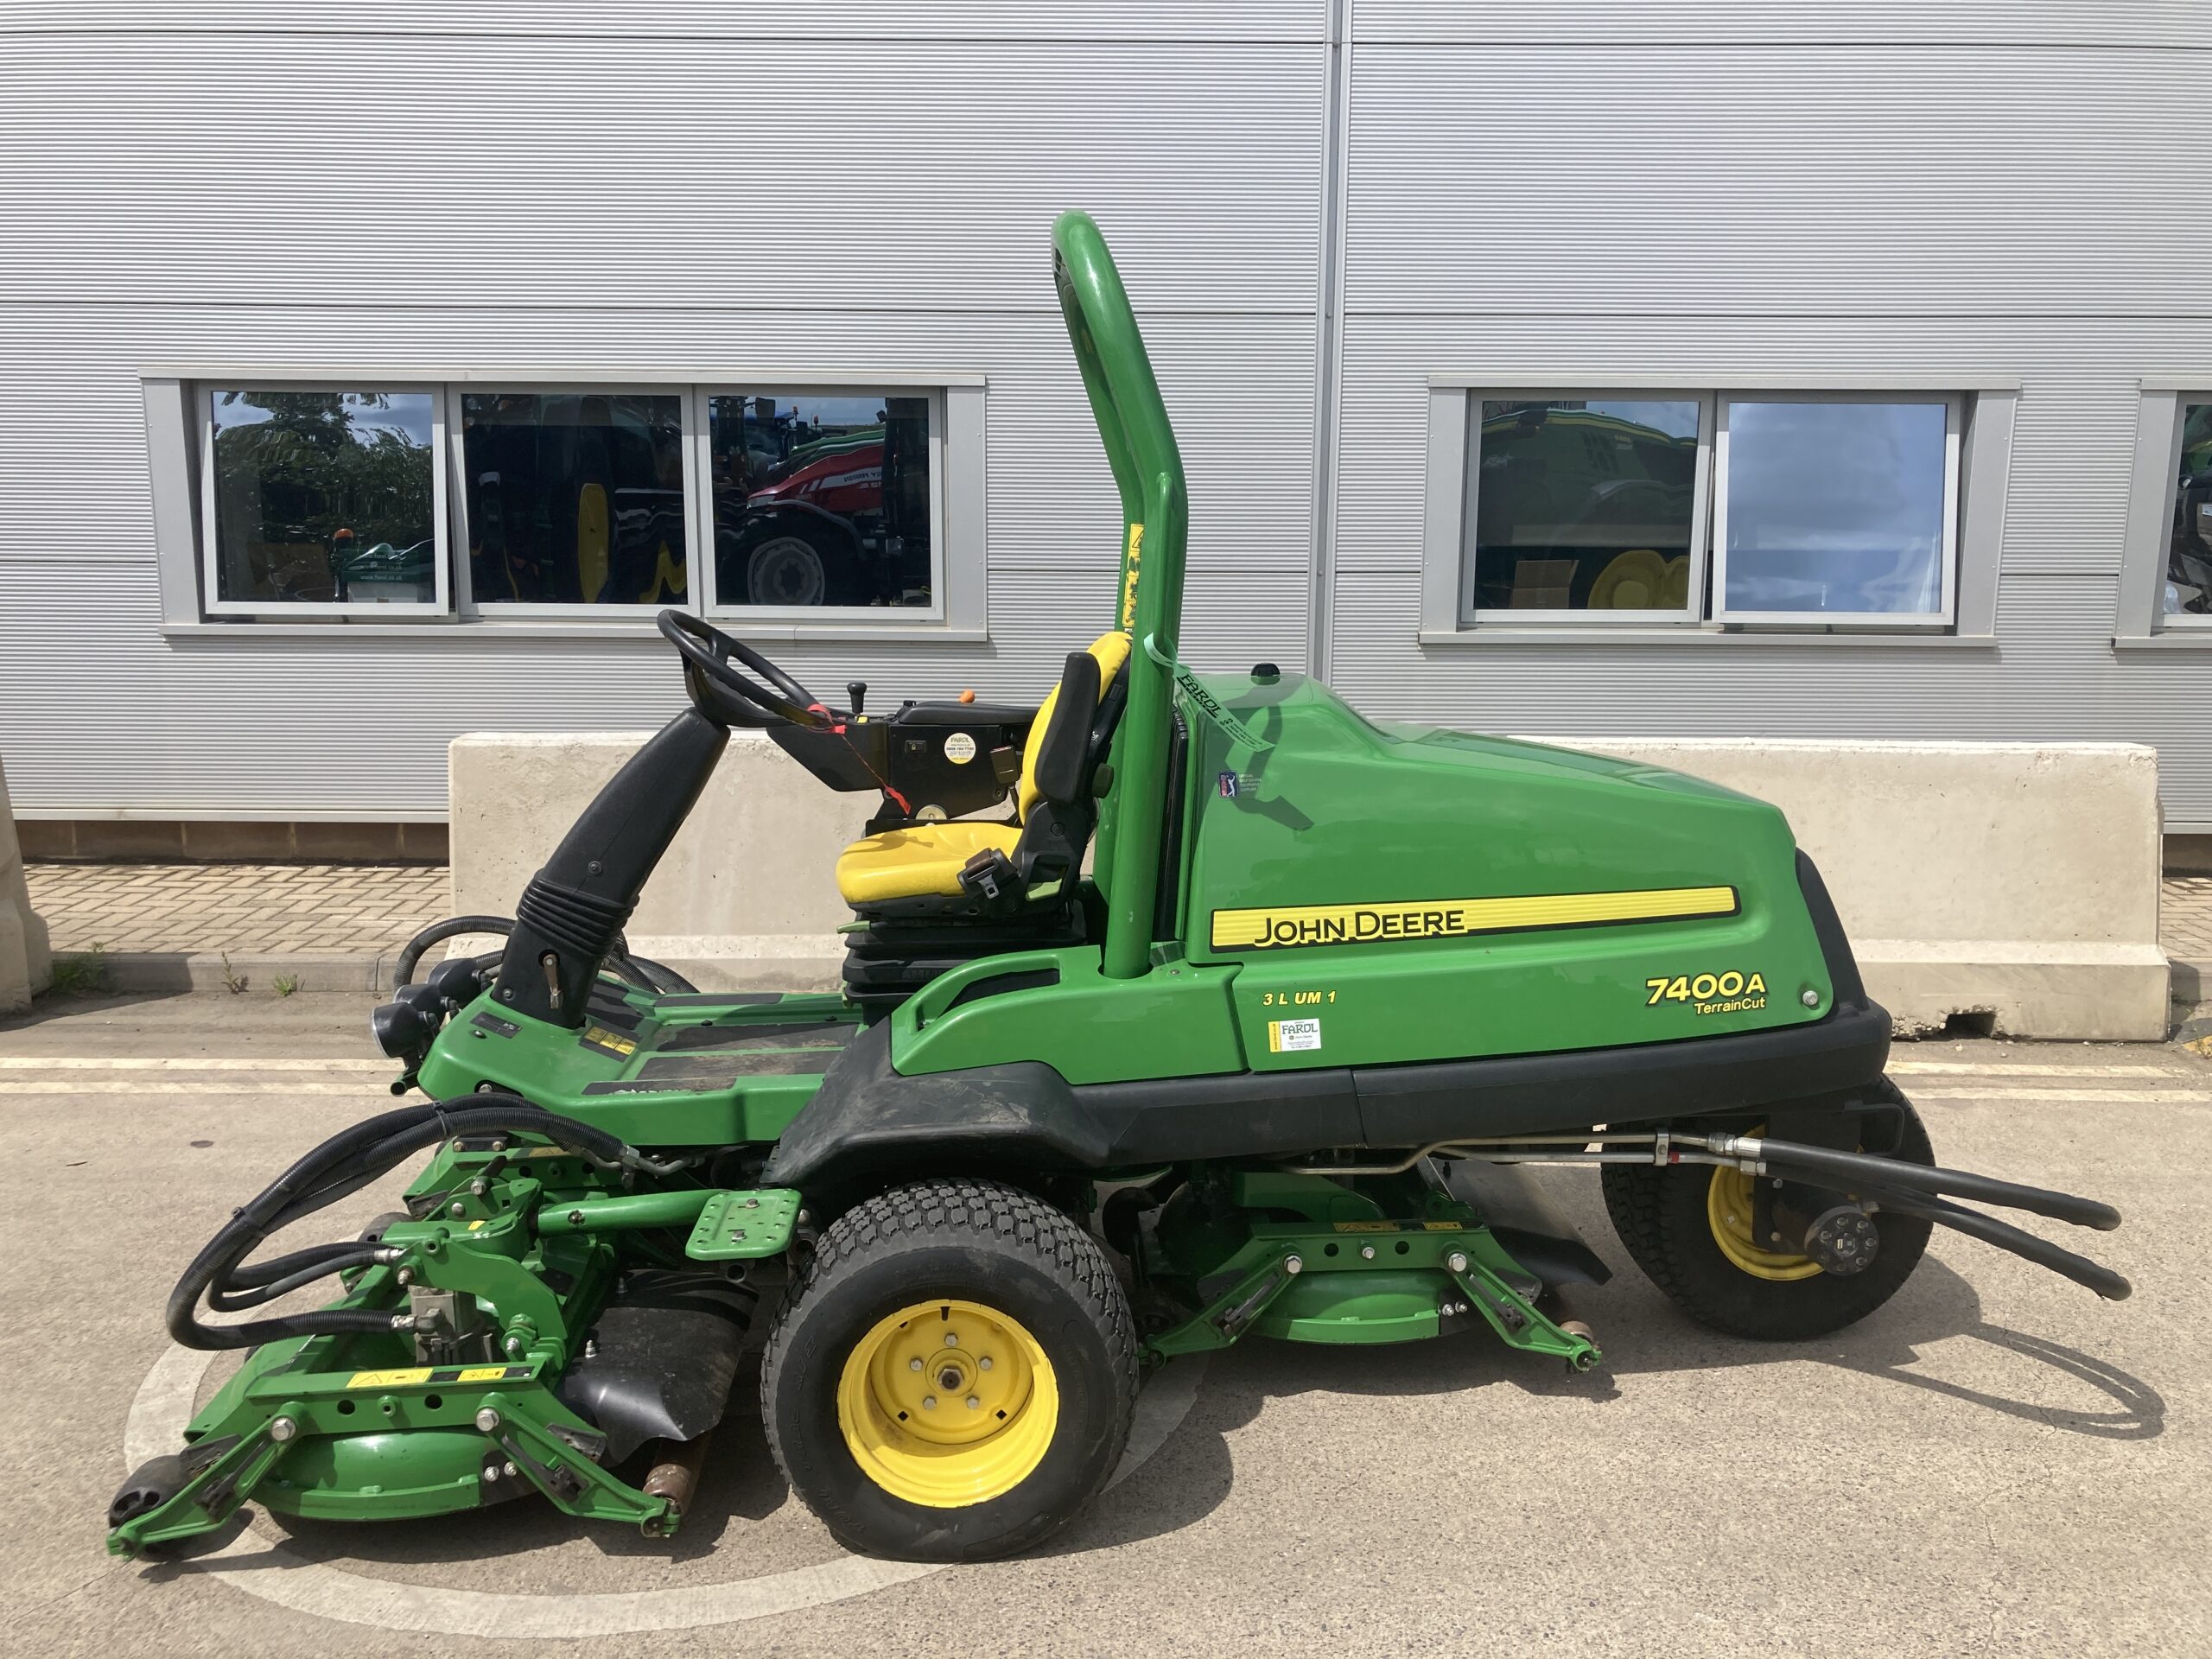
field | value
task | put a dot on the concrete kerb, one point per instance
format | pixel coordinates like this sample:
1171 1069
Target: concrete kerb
258 971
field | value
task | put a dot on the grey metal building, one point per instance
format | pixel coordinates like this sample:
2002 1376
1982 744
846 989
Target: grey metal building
371 374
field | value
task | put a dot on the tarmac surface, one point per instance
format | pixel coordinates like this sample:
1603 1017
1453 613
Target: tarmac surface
1997 1462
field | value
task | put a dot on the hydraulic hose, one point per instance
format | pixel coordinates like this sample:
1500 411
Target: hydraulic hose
438 933
641 971
2041 1251
342 1164
1856 1169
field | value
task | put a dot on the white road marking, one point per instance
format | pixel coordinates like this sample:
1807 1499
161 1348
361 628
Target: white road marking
86 1063
2060 1096
133 1086
163 1407
2013 1069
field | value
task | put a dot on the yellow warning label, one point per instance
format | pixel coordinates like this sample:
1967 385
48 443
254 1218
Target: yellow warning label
389 1379
1365 1226
1129 586
615 1040
1279 927
474 1225
486 1374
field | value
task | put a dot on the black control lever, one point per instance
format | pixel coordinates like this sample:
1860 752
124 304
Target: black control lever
857 690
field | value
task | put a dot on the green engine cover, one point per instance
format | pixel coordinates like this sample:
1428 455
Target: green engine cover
1399 893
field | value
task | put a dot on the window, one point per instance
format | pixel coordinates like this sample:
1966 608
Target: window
1580 505
1835 510
2185 596
822 500
321 501
1789 508
783 507
575 499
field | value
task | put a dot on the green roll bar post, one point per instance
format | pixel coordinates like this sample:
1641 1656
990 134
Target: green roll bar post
1148 473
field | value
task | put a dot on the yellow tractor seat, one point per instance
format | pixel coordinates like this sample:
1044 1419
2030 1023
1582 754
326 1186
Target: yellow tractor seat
920 860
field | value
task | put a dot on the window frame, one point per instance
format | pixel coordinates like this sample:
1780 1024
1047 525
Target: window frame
700 464
2161 424
466 608
202 410
1690 616
1723 614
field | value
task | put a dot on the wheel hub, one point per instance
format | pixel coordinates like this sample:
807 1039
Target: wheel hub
1729 1208
948 1404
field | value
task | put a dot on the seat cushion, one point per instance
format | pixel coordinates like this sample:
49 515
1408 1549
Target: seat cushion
920 859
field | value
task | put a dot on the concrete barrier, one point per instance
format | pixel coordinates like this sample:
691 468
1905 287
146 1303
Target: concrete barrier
746 896
2013 884
26 964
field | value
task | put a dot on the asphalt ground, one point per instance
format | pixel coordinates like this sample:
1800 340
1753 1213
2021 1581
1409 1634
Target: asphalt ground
1997 1462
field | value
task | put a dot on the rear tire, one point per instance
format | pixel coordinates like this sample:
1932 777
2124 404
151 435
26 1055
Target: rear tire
1664 1223
1041 1338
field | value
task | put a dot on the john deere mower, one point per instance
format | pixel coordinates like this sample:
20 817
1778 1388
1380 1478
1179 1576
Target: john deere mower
1179 1009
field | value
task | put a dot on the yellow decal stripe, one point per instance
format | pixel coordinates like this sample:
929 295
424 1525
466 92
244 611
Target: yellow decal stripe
1280 927
388 1379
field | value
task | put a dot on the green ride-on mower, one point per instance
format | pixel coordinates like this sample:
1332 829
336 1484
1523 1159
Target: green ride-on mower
1247 1021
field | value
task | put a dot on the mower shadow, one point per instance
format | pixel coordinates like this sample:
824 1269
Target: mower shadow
1644 1336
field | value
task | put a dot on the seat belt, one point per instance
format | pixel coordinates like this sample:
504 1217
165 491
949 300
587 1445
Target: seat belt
1206 703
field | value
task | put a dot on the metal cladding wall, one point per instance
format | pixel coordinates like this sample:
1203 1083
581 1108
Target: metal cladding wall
646 191
1957 195
1770 194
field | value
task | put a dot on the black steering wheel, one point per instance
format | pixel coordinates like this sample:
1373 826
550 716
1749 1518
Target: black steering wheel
723 694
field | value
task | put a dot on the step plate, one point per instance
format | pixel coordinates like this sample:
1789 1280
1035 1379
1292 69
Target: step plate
744 1226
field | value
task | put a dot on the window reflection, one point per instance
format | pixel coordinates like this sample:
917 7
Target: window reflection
323 496
574 498
820 501
1583 504
1835 506
2189 556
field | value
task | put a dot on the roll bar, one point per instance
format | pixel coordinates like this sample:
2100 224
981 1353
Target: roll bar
1148 469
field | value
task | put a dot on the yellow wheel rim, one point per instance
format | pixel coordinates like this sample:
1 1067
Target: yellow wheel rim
1728 1208
947 1404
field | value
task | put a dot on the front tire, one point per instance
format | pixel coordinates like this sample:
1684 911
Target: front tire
951 1376
1675 1224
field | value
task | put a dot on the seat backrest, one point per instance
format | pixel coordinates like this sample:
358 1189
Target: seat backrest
1110 651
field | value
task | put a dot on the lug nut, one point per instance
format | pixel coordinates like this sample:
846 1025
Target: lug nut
929 1402
1457 1260
974 1403
951 1341
984 1364
487 1419
1293 1265
282 1429
914 1365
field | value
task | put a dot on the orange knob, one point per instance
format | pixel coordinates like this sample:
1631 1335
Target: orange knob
967 696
